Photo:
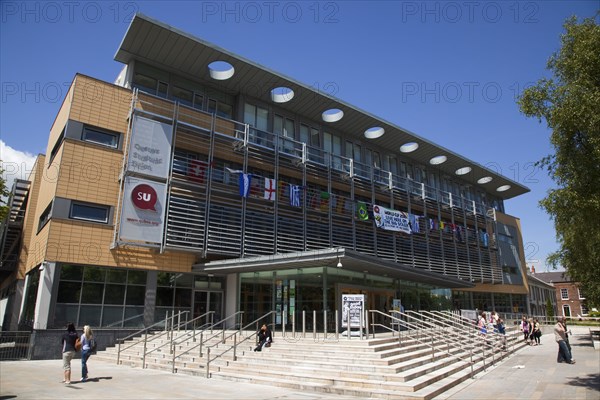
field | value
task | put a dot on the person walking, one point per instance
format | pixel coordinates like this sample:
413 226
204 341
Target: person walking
560 335
537 332
68 350
86 350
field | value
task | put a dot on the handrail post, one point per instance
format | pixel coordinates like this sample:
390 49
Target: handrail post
314 324
361 323
234 347
201 342
324 324
294 324
144 356
303 324
207 362
367 324
173 366
118 351
337 326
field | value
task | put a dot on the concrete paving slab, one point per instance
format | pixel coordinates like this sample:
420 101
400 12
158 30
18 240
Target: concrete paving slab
531 373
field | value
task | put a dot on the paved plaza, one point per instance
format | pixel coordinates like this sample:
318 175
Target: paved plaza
532 373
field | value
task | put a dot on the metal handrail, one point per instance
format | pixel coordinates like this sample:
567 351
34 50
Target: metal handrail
235 342
145 331
439 318
418 330
172 343
204 340
123 320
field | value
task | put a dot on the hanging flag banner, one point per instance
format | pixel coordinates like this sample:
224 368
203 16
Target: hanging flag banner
143 214
150 147
362 211
270 189
245 184
391 220
295 195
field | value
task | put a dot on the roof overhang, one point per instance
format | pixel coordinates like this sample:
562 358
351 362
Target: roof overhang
170 49
351 260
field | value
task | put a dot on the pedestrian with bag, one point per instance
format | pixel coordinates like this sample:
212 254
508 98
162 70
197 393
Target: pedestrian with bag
68 351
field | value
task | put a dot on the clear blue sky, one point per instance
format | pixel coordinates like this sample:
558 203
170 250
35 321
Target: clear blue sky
448 71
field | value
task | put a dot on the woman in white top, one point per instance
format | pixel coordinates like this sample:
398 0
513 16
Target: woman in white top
86 350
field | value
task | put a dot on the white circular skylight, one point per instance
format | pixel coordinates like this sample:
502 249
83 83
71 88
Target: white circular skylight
282 94
485 179
220 70
503 188
332 115
409 147
437 160
374 132
463 171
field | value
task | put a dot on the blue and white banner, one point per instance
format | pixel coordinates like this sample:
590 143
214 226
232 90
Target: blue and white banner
245 184
150 147
295 195
391 220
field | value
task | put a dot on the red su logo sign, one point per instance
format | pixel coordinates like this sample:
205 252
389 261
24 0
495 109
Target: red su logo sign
144 197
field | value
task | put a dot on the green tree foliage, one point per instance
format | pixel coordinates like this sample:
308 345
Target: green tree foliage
549 309
569 102
3 196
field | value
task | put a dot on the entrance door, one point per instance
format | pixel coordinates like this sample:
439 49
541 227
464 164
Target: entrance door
205 301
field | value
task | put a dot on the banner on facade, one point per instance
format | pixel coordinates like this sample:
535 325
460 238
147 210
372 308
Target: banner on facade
150 147
353 306
143 214
391 220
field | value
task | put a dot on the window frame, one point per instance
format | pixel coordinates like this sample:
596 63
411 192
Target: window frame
87 129
89 205
564 294
45 217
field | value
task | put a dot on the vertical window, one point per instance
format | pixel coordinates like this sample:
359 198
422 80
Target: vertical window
45 217
288 128
304 134
183 96
581 295
564 294
198 101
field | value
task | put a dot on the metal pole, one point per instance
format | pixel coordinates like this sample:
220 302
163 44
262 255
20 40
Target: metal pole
303 323
144 356
234 346
337 326
118 351
314 324
324 324
201 341
208 362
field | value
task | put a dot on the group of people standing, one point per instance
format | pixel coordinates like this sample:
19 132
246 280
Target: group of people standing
71 344
531 331
493 324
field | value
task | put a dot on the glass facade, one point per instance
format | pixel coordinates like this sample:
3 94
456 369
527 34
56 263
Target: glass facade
100 297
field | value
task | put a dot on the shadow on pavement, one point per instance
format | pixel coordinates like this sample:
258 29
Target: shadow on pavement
589 381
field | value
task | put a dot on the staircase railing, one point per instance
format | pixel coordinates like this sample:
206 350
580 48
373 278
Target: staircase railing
415 331
235 341
165 323
488 341
172 342
203 340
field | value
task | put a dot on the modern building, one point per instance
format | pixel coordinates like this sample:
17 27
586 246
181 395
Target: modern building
569 298
200 180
